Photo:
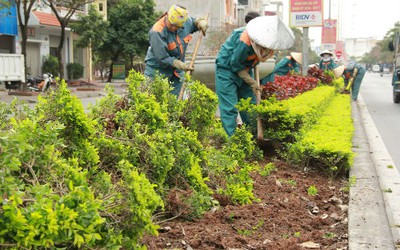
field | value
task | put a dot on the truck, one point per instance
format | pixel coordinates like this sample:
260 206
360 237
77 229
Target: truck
12 70
395 47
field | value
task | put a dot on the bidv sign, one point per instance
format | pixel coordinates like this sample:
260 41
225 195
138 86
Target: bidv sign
305 13
305 17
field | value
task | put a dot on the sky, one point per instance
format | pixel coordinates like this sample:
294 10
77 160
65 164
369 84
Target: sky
357 18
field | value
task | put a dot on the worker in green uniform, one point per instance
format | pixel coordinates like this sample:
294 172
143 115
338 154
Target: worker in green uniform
169 38
353 75
326 62
244 49
291 63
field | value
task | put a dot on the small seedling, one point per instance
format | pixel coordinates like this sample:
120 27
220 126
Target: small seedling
297 234
387 190
312 191
350 183
329 235
390 166
270 167
289 182
245 232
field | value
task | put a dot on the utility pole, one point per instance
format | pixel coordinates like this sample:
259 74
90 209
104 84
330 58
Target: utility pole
305 51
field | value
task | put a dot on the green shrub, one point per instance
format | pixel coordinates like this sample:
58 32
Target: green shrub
74 71
328 144
283 120
50 65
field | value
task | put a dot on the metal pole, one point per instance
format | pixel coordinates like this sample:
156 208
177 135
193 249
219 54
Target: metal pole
305 50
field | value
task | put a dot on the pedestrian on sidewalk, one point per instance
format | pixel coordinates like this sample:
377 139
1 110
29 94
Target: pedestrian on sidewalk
241 52
169 38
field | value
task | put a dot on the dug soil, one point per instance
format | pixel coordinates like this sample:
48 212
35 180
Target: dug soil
288 215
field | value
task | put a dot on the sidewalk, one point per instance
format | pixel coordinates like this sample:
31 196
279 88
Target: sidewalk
374 206
95 89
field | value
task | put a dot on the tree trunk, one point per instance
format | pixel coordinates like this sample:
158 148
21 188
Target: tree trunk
23 46
59 52
111 68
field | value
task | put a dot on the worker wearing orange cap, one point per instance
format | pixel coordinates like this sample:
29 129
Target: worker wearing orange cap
169 38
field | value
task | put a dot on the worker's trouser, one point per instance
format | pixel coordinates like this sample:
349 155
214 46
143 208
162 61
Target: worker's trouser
175 81
230 88
357 83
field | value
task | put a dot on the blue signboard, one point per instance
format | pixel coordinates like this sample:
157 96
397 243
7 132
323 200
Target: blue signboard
9 21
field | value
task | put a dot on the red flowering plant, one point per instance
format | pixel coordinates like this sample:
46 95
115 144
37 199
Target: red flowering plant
285 87
326 76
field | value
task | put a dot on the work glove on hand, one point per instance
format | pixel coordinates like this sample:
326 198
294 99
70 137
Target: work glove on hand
355 72
201 24
249 80
181 65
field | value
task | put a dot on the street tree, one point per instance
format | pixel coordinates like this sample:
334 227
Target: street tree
5 4
24 8
380 53
64 10
129 23
92 30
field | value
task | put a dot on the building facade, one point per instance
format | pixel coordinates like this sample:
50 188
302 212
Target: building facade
44 32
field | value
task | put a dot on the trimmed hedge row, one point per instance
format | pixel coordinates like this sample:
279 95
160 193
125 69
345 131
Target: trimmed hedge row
283 120
313 129
328 143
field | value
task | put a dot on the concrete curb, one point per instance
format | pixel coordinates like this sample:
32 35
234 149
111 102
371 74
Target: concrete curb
388 175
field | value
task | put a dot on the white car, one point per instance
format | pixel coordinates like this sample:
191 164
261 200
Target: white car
375 68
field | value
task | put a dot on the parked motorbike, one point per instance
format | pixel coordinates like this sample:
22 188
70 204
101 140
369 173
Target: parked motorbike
40 84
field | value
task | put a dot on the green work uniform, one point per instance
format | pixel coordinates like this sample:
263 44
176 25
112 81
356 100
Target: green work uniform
357 79
328 65
235 55
165 47
282 68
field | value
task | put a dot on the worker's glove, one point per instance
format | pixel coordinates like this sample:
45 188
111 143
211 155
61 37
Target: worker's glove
249 80
181 65
355 72
201 24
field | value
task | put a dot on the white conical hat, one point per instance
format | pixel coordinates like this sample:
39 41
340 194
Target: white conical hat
297 57
326 52
270 32
338 71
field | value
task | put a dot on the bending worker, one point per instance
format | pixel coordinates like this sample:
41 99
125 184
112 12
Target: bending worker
284 66
353 75
326 62
243 50
169 38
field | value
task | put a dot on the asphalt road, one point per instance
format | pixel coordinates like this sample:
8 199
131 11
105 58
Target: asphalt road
377 94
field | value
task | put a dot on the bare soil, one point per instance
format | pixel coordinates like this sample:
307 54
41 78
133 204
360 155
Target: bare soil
286 217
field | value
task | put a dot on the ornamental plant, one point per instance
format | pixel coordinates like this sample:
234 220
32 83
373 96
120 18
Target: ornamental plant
283 120
327 145
288 86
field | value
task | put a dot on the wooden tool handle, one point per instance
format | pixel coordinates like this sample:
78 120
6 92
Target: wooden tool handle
196 48
260 134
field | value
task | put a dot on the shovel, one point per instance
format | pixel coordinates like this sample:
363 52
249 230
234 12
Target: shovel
196 48
260 134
